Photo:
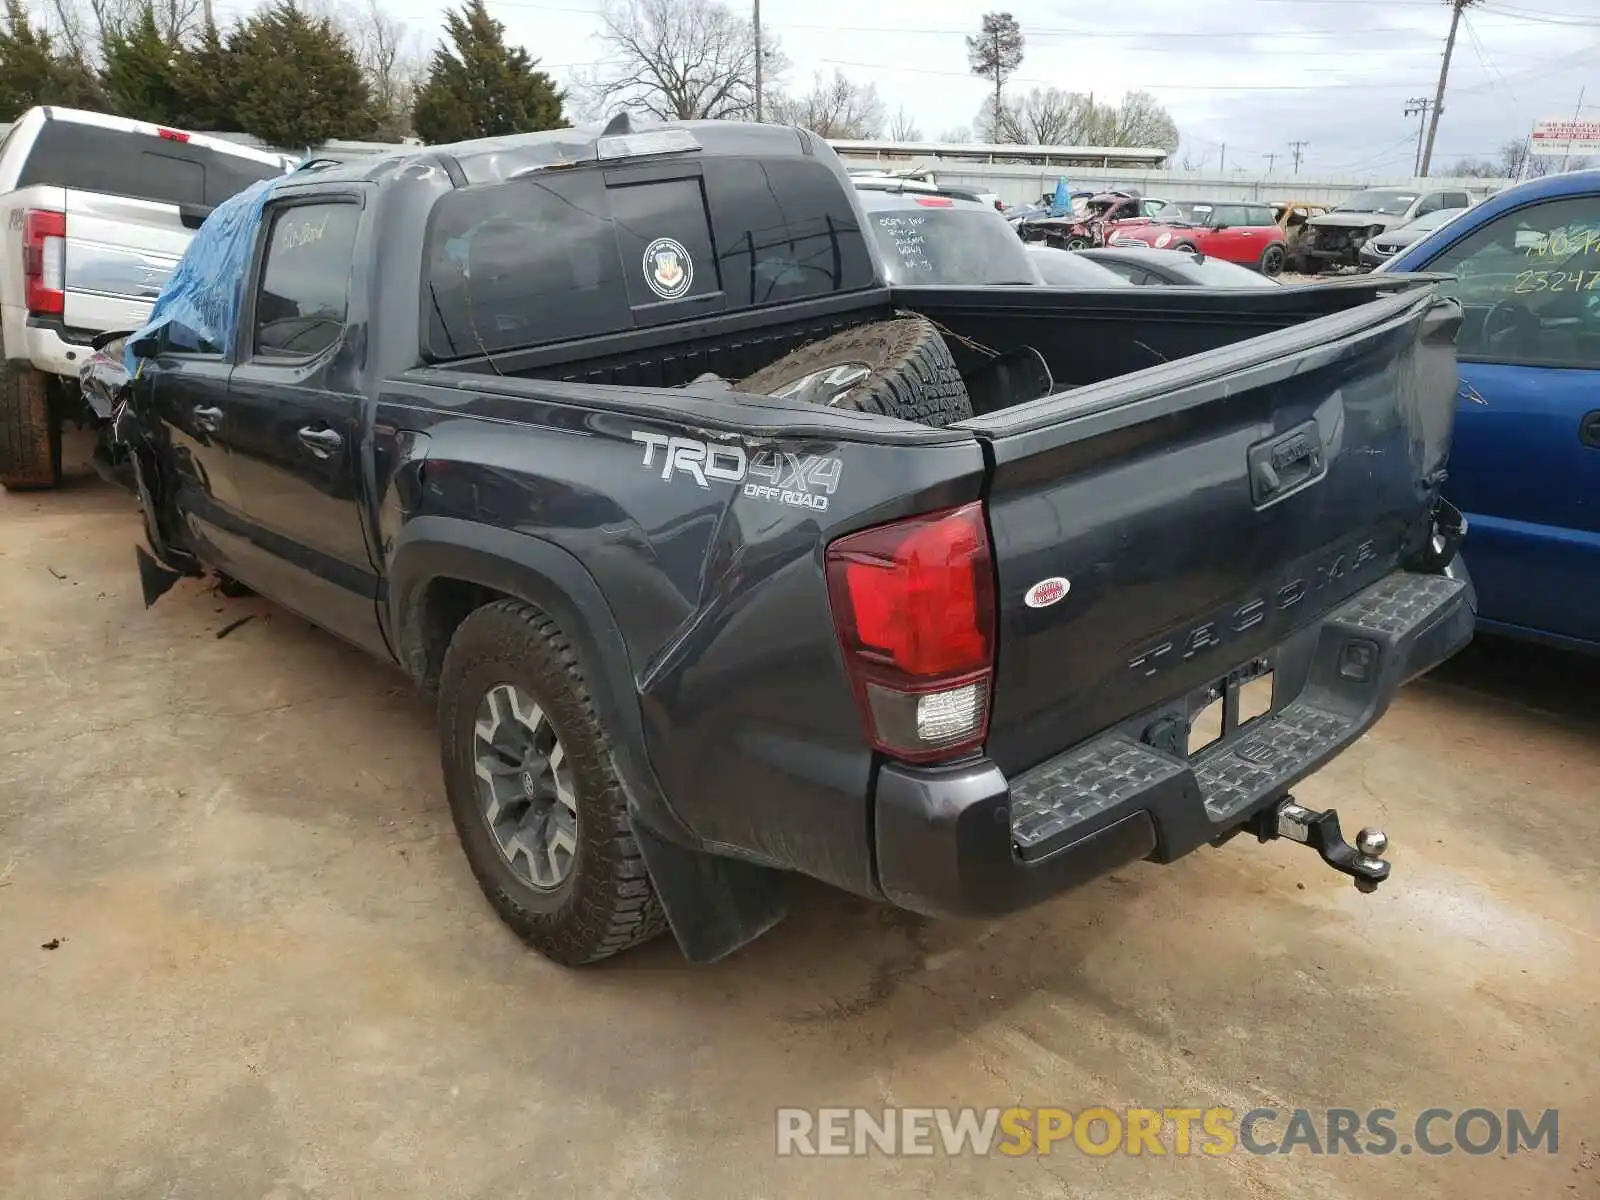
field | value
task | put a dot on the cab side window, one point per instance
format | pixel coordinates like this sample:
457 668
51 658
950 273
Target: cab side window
1529 285
304 293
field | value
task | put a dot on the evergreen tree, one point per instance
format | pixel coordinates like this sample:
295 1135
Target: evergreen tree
204 86
478 86
33 72
140 72
296 79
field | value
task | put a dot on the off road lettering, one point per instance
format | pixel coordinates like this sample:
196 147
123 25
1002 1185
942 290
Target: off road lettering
796 480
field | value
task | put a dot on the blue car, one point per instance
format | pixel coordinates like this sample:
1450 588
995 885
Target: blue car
1525 468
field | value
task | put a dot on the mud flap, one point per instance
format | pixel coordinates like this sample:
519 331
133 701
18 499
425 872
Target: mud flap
714 905
155 581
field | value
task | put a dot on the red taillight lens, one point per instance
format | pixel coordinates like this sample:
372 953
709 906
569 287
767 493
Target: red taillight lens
914 605
936 202
173 135
44 261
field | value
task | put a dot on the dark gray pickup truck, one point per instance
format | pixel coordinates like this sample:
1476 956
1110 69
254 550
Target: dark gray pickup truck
726 558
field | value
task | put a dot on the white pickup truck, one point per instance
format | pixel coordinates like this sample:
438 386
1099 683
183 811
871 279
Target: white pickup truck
95 211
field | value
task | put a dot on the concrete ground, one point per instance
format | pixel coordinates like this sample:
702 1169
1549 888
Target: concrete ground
274 977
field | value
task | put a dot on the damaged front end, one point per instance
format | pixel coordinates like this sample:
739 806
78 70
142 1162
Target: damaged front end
1331 244
126 454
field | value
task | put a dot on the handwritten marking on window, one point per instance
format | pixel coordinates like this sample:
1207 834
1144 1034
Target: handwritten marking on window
1565 243
304 232
1555 281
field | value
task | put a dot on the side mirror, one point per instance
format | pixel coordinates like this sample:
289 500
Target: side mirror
145 347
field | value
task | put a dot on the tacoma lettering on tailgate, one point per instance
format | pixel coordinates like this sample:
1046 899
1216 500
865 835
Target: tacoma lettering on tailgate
1311 577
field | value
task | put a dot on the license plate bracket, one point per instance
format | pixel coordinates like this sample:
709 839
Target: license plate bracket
1219 710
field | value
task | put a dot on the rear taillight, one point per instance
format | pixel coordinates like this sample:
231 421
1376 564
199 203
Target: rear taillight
936 202
172 135
914 605
44 261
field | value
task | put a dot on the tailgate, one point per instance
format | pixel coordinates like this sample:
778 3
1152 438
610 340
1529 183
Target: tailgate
120 251
1202 510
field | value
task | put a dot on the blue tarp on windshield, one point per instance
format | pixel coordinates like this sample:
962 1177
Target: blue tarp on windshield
199 306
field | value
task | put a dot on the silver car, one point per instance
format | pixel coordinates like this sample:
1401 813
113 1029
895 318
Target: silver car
1389 243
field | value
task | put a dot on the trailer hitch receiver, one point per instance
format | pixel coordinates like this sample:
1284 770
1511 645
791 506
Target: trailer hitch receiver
1363 862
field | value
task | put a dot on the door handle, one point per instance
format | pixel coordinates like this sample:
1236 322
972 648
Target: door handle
1589 429
208 418
322 443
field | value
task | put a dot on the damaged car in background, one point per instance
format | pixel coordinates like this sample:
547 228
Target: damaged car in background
727 557
1335 238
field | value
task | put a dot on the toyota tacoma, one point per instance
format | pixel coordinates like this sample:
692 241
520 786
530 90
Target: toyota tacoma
727 558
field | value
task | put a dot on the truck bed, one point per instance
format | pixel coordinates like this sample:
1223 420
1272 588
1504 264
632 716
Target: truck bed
1085 337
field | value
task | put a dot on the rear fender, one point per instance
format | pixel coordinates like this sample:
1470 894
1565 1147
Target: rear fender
713 904
430 548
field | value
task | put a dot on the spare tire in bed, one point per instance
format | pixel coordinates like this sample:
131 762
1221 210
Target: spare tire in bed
899 368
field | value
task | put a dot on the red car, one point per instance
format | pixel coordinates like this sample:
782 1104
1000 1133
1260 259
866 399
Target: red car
1087 226
1235 231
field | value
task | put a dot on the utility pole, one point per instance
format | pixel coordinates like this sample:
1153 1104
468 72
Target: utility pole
1419 106
758 57
1457 7
1577 115
1272 157
1297 148
211 22
1222 159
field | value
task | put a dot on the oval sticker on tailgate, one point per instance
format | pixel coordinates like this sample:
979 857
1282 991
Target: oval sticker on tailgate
1047 592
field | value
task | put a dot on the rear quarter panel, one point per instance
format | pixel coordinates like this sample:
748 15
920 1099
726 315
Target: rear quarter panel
708 548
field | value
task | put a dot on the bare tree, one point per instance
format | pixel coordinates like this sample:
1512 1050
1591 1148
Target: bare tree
392 60
1139 121
679 60
833 108
955 134
994 54
903 127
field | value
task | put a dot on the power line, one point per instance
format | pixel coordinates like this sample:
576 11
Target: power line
1297 148
1544 18
1171 87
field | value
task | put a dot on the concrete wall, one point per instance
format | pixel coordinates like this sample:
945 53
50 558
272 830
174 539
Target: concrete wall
1023 185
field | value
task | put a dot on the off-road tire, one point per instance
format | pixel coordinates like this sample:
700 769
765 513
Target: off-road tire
1272 261
606 903
911 374
30 430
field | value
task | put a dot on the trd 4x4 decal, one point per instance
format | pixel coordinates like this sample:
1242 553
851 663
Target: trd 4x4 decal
798 480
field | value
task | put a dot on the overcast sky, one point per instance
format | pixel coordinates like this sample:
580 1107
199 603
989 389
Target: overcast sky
1254 74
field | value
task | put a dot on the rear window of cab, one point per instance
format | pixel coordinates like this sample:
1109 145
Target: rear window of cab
560 255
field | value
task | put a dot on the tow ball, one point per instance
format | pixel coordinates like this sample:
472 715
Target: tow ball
1363 862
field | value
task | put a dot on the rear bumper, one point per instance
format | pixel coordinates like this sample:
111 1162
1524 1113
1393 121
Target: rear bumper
45 345
965 840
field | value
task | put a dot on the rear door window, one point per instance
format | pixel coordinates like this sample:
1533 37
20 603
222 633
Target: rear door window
305 280
89 158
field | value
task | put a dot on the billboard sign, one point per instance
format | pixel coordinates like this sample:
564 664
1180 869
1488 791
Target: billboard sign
1566 137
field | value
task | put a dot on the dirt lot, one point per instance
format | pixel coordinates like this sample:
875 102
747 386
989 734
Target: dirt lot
272 975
